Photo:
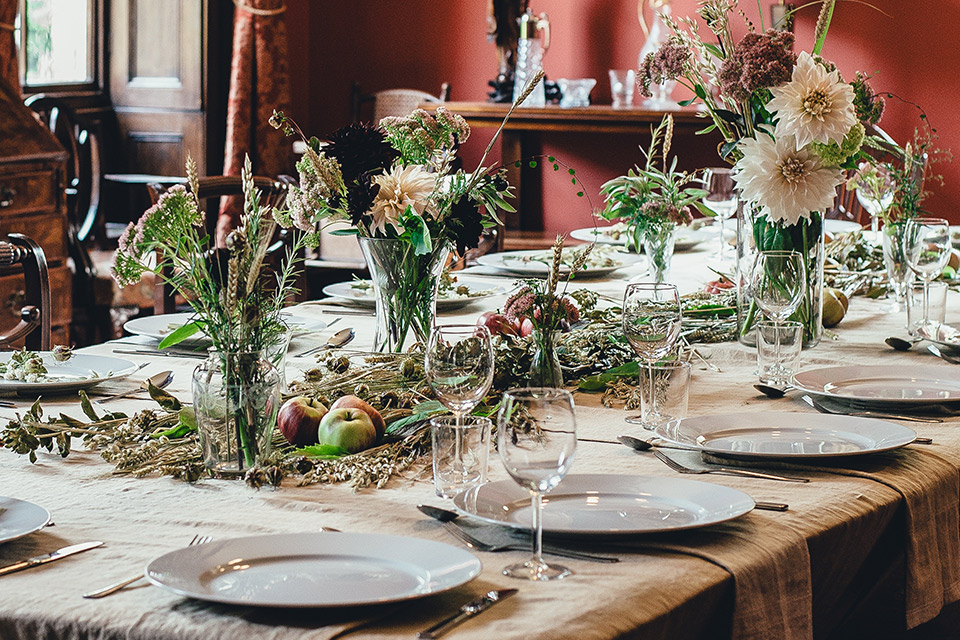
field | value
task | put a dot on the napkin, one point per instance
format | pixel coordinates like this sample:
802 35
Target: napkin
931 491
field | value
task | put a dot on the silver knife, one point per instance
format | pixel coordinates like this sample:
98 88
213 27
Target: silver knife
49 557
466 612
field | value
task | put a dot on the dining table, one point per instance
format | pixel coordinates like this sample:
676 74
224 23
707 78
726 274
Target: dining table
869 547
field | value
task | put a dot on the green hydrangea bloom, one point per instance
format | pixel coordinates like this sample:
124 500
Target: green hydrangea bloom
834 155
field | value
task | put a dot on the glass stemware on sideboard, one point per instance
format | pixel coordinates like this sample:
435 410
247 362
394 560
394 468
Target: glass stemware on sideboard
927 249
537 439
721 198
651 325
778 281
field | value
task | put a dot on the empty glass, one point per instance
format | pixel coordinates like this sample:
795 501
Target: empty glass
575 93
460 451
537 438
927 248
778 281
622 82
778 351
459 365
721 198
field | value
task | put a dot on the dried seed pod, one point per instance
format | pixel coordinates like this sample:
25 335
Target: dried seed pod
338 365
274 475
255 478
361 390
303 465
408 368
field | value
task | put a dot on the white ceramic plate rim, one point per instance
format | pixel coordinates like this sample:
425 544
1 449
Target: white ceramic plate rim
598 235
180 571
815 381
833 226
343 291
736 503
686 431
79 364
30 517
158 327
509 262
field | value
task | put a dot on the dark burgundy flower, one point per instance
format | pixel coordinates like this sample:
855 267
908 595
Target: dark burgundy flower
359 148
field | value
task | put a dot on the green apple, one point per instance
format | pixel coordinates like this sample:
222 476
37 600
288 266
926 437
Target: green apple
299 419
353 402
349 428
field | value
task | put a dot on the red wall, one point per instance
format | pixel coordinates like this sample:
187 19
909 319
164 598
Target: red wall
423 43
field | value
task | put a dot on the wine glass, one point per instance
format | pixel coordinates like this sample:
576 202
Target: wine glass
778 282
875 195
721 198
537 437
459 366
927 248
651 324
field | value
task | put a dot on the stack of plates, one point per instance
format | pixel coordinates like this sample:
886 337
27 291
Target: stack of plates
883 387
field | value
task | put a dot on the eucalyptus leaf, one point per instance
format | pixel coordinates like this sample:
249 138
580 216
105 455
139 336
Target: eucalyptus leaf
322 451
180 334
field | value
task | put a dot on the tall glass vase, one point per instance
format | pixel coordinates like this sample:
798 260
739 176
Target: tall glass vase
405 289
236 397
545 368
658 244
756 233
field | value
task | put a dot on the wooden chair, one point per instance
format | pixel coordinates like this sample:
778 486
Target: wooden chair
35 313
392 102
211 189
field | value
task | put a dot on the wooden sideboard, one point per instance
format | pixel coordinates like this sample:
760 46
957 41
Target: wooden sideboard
33 202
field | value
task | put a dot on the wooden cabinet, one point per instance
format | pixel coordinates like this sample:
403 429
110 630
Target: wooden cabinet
32 202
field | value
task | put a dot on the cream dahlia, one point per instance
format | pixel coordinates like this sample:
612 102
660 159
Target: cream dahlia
787 183
402 187
815 105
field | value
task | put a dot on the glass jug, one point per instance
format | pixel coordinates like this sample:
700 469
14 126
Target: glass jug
530 53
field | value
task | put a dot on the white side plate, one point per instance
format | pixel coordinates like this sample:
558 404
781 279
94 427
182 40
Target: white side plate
534 262
600 504
19 518
882 385
306 570
363 296
782 435
159 327
79 372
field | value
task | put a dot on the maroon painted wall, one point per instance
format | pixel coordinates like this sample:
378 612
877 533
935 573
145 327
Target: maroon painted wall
423 43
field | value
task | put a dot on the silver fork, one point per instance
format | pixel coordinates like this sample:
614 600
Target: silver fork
479 545
726 471
113 588
822 407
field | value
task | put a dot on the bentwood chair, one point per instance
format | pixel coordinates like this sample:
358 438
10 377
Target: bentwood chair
392 102
18 249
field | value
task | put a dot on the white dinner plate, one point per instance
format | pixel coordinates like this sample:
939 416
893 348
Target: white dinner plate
783 435
687 239
883 385
159 327
535 262
363 295
611 234
837 227
312 570
19 518
601 504
79 372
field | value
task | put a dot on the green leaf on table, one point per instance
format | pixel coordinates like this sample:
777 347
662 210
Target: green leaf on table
599 382
73 423
164 399
421 412
87 406
180 334
322 451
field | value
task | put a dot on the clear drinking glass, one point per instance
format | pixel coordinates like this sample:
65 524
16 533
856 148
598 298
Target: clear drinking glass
875 196
459 366
927 248
537 438
778 281
721 198
651 324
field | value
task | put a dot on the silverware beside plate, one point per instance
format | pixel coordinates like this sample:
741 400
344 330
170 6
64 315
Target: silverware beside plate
59 554
467 611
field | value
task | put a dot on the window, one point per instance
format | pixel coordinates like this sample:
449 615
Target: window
58 43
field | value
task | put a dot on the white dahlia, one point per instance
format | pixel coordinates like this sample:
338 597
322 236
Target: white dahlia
786 183
402 187
816 105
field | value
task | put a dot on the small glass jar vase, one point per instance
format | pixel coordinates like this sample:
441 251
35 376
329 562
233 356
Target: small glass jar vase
895 259
236 397
545 368
658 244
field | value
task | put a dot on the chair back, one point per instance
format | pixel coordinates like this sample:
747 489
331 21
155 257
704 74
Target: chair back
35 313
393 102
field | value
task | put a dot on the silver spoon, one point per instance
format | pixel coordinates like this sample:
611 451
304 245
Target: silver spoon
900 344
645 445
159 380
338 339
772 392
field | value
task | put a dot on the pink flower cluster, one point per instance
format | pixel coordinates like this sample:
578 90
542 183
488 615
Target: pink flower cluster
662 211
758 61
669 62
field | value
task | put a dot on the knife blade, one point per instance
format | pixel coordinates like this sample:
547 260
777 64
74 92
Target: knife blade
467 611
49 557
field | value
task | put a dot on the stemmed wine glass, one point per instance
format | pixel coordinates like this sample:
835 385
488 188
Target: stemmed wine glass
876 195
927 248
651 324
721 198
459 366
778 282
537 437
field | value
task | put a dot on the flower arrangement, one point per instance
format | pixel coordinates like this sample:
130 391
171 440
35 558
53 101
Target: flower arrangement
791 127
652 201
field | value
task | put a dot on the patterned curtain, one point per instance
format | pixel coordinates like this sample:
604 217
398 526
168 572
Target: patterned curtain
8 50
259 83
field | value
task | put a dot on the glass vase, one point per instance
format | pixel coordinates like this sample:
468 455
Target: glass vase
895 259
236 397
658 244
756 233
545 368
405 289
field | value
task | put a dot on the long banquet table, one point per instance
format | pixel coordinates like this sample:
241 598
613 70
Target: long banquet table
852 557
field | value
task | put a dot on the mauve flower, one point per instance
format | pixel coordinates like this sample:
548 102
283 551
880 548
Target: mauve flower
815 106
669 62
402 187
759 61
786 183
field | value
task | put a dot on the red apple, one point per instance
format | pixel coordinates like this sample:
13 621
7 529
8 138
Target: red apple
526 327
349 428
299 418
497 323
353 402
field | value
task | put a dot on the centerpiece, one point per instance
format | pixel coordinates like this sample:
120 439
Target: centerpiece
397 186
236 300
653 201
791 127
